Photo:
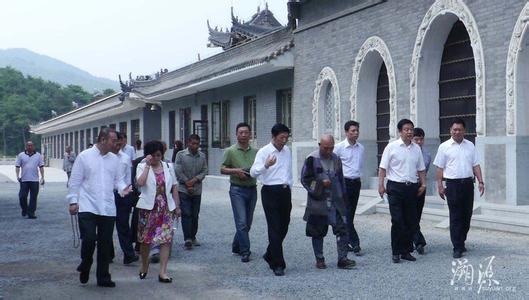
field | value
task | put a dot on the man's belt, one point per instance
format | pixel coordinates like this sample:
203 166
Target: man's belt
460 180
353 179
407 183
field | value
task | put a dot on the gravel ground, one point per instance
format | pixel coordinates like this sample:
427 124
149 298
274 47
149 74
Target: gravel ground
38 260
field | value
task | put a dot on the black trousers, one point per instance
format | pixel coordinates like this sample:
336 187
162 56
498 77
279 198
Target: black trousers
418 237
277 204
31 188
123 209
460 199
190 205
403 208
95 228
351 201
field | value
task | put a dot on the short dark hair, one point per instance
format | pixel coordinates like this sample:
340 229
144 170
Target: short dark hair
104 133
151 147
242 124
121 135
404 122
418 131
279 128
458 121
193 137
350 123
138 142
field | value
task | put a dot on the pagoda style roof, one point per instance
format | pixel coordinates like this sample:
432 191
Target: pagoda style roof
266 54
261 23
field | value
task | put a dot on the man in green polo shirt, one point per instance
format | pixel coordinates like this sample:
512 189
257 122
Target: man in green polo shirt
237 162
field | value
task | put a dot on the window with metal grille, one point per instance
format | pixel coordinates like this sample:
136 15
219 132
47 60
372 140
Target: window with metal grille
172 128
134 131
88 138
95 132
81 140
457 83
220 118
250 114
382 111
328 110
123 128
284 107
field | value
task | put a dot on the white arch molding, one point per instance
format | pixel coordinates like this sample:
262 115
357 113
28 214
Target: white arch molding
369 65
326 76
431 37
515 101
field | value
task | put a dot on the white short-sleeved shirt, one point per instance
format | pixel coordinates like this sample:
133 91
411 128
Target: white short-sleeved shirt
352 157
279 173
30 165
402 162
457 160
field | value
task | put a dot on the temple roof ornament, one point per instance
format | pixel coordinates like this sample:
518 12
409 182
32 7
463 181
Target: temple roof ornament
261 23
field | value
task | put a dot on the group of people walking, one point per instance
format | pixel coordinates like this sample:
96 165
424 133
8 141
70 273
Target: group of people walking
106 185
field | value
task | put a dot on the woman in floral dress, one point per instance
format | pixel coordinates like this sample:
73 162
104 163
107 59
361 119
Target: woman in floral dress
159 205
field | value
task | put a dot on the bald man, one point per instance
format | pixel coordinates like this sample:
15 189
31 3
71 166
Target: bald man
322 177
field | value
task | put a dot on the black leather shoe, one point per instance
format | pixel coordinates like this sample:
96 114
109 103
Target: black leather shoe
165 280
408 257
24 213
32 217
127 260
457 254
420 249
346 264
109 283
395 259
143 275
84 276
279 271
245 258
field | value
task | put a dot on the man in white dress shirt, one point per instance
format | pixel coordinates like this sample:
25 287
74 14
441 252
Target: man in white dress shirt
124 204
457 163
401 161
95 175
351 152
273 168
128 149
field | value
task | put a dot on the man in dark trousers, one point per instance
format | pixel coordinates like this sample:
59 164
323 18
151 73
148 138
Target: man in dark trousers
401 162
273 168
457 163
322 177
351 152
95 175
191 169
418 238
30 162
124 204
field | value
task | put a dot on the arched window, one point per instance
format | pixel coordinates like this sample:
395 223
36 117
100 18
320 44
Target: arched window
383 111
328 110
457 83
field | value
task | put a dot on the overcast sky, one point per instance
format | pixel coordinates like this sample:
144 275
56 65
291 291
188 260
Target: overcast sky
111 37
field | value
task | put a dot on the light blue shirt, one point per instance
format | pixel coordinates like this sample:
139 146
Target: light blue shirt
30 165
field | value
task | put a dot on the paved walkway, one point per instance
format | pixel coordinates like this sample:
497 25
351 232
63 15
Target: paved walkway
38 261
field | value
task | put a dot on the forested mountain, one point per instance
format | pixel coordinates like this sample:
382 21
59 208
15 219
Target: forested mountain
26 100
48 68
